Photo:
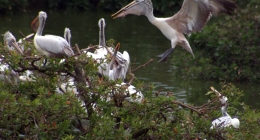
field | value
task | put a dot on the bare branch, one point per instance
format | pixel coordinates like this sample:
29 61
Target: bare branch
151 60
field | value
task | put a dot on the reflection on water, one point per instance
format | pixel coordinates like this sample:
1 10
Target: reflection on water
142 40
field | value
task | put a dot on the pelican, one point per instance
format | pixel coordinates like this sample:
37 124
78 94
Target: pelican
192 17
225 120
118 66
10 41
50 45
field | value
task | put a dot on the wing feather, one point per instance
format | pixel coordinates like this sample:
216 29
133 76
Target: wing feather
194 14
55 45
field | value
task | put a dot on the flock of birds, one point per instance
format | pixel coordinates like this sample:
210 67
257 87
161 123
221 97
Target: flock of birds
192 17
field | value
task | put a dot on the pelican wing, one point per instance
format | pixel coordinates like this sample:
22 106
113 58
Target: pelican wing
222 122
194 14
54 44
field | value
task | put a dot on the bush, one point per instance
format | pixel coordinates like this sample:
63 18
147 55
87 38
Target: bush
34 109
227 49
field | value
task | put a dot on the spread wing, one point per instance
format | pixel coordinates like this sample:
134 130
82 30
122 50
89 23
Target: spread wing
54 44
194 14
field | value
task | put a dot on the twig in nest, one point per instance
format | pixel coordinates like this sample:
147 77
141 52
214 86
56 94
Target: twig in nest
90 47
21 33
142 65
201 110
132 79
77 48
218 93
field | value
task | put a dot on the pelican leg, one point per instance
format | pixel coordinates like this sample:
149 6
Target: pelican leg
165 55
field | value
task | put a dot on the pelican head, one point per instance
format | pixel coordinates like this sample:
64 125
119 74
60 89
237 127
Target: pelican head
235 122
36 22
67 35
136 7
101 25
10 40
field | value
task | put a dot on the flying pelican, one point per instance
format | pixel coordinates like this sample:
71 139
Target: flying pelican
225 120
192 17
118 66
50 45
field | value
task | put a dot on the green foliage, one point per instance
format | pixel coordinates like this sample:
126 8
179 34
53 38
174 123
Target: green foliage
227 49
34 110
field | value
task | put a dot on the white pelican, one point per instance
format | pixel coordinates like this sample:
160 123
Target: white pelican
117 67
50 45
10 41
225 120
134 95
192 17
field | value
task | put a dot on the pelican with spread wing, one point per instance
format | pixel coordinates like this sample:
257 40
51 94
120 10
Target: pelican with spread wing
118 66
192 17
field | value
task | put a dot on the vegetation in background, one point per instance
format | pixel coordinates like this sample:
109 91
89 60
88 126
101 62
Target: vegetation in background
226 49
13 6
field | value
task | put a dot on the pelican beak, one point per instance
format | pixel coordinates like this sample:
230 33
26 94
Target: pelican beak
135 8
16 46
114 55
35 24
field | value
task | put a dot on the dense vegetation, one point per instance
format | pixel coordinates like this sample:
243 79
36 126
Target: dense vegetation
34 109
226 49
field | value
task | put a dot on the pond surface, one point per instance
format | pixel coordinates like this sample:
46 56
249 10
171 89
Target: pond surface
143 42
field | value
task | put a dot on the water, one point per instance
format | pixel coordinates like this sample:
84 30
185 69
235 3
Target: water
142 40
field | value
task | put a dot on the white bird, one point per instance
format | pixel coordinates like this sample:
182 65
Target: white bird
50 45
117 67
10 41
192 17
134 95
225 120
129 91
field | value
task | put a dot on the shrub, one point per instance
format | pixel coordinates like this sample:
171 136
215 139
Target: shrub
227 49
34 109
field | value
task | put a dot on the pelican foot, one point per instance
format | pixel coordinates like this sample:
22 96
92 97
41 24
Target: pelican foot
165 55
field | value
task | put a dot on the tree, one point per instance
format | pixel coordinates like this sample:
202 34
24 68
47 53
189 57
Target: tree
33 109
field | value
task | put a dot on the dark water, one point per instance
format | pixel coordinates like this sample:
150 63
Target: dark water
143 42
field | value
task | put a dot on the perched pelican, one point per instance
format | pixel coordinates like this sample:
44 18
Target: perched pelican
225 120
50 45
134 95
10 41
192 17
117 67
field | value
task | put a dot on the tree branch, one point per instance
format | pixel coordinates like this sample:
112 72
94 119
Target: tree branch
151 60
